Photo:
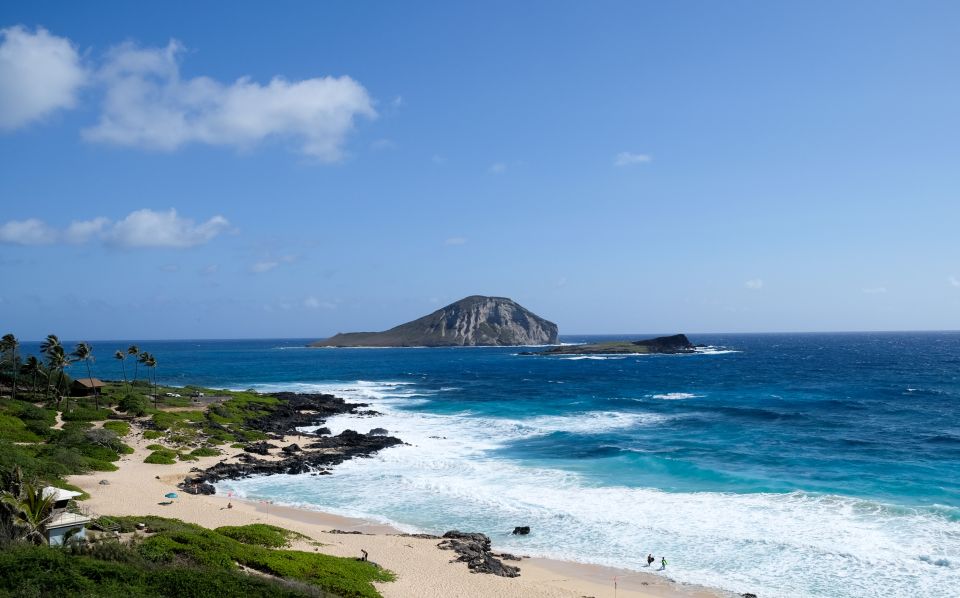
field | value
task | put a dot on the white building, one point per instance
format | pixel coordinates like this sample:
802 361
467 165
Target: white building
62 521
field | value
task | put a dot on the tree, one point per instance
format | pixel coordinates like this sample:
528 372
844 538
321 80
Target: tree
47 347
57 361
26 509
146 359
134 350
121 356
152 364
10 343
33 367
84 352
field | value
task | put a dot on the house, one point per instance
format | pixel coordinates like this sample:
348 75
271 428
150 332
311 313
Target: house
63 523
83 387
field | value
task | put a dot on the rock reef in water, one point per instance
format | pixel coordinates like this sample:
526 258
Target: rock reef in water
471 322
677 343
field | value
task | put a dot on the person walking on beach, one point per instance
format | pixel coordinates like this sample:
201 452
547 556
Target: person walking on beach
650 559
663 563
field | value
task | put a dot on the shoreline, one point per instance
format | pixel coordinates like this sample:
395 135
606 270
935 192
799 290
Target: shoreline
423 570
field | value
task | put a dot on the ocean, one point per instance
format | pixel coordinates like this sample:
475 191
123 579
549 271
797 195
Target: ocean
795 465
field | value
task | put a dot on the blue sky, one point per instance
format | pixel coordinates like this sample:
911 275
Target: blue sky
240 170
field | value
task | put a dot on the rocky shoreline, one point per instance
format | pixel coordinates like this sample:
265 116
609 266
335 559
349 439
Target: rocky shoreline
318 454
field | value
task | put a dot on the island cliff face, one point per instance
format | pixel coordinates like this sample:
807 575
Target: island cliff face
472 321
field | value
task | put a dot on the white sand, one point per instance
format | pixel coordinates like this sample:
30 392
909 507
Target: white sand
423 570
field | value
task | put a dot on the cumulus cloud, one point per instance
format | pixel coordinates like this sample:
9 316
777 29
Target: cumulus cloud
27 232
147 228
629 158
455 241
754 284
142 228
149 104
40 73
83 230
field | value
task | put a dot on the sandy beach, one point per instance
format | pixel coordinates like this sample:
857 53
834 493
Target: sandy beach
423 570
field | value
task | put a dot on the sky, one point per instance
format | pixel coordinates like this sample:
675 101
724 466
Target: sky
247 170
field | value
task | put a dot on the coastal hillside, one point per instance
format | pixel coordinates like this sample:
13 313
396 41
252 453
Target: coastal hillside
472 321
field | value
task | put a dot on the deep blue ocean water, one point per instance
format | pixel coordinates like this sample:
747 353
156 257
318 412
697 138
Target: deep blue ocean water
782 464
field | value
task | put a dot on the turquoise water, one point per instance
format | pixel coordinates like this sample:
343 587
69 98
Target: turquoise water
786 465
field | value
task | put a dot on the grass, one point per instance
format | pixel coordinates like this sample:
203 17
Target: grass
205 451
152 434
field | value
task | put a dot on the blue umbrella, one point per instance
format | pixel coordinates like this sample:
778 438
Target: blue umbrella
171 495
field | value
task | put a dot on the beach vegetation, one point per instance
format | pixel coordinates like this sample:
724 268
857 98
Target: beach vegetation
260 534
133 403
152 434
119 427
162 456
205 451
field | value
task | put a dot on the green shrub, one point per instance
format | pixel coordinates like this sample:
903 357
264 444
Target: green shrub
205 451
133 403
156 447
121 428
163 421
85 414
260 534
152 434
161 457
13 429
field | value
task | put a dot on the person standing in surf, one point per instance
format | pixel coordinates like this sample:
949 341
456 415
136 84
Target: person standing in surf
663 563
650 559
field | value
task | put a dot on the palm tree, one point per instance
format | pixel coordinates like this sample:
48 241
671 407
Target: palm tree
28 509
57 360
47 347
152 364
134 350
33 367
84 352
144 358
121 356
10 343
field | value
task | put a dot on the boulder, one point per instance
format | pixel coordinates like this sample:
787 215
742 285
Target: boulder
521 530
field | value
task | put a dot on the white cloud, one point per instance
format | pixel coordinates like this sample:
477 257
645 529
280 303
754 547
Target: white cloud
629 158
875 290
39 74
83 230
148 104
27 232
210 270
142 228
754 284
265 265
147 228
455 241
954 281
498 168
314 303
398 101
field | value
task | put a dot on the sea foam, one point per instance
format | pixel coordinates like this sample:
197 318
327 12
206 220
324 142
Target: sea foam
791 544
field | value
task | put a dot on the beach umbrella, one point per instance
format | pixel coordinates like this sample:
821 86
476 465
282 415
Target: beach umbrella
170 495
